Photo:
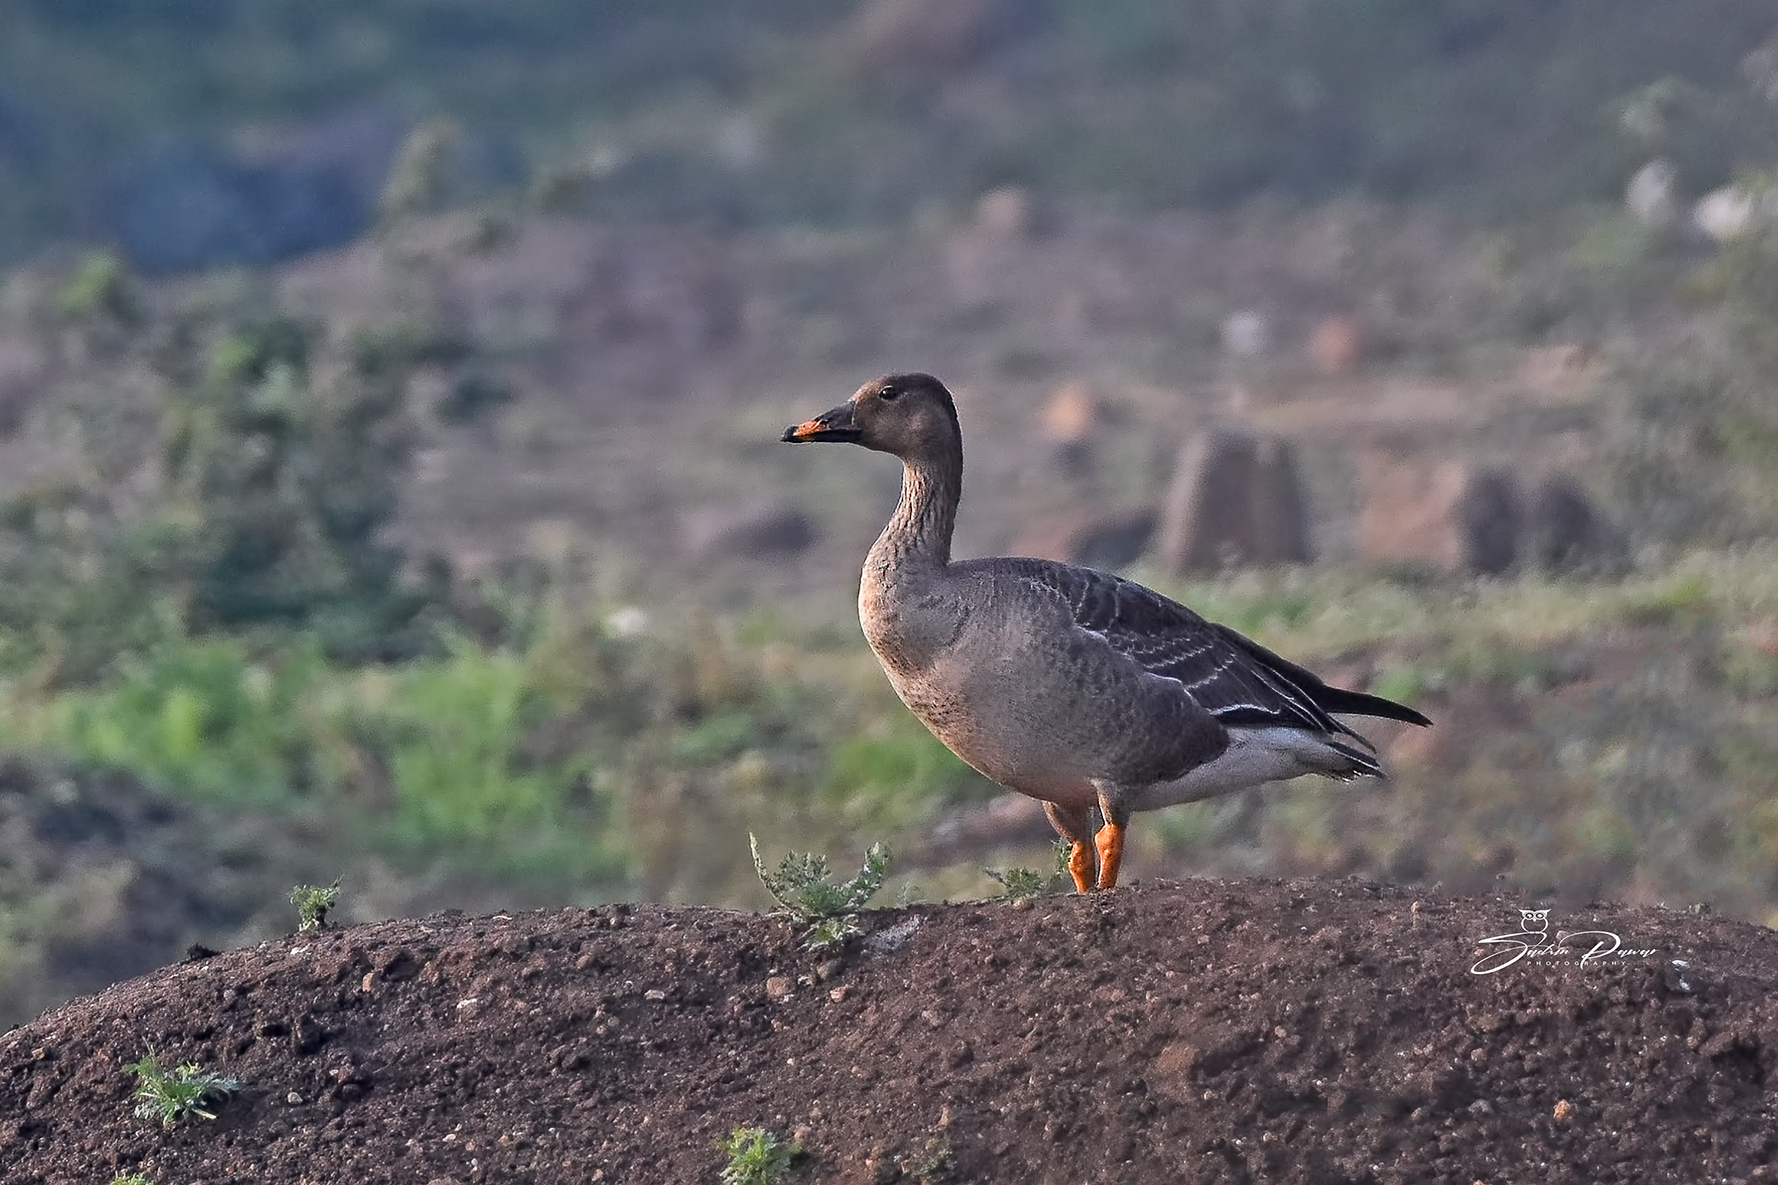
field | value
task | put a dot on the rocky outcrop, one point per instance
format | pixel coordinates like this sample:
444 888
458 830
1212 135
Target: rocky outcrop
1337 346
1235 499
1462 517
1450 515
1070 420
1566 531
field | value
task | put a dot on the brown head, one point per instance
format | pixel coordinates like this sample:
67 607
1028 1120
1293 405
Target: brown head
908 415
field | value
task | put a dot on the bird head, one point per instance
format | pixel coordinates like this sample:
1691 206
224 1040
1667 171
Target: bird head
904 414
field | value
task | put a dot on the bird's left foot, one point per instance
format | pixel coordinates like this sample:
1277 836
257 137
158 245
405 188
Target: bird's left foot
1080 866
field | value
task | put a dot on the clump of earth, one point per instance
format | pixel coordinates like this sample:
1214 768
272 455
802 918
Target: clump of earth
1289 1031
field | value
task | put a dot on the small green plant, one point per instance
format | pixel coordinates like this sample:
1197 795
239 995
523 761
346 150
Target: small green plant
756 1157
313 903
1018 882
933 1164
131 1179
830 932
171 1094
804 894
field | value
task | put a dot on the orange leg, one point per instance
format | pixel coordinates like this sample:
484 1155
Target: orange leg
1110 837
1110 842
1080 865
1075 826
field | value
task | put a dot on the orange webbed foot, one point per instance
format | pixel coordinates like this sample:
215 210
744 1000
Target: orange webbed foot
1110 842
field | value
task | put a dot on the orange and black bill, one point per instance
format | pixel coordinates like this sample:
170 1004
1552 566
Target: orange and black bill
837 424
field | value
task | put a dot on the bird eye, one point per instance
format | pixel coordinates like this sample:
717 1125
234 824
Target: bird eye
888 392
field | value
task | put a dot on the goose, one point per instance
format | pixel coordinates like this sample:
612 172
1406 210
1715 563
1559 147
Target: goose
1078 688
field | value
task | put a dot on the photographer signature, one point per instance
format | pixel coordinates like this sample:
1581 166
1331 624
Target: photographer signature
1533 941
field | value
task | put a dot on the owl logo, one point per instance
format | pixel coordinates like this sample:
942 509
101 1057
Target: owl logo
1532 938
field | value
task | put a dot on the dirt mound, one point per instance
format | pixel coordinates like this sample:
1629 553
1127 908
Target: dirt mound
1204 1031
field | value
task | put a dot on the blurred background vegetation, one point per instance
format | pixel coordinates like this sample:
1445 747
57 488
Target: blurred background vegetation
372 373
798 111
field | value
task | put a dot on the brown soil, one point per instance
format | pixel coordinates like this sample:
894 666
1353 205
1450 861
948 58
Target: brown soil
1201 1031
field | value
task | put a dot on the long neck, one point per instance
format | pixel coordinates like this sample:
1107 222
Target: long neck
919 532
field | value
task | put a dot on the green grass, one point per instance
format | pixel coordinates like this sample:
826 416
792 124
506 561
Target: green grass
442 741
213 716
597 764
1328 610
566 755
865 776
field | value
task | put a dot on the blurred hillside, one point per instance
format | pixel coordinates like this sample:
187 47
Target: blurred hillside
280 115
390 393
